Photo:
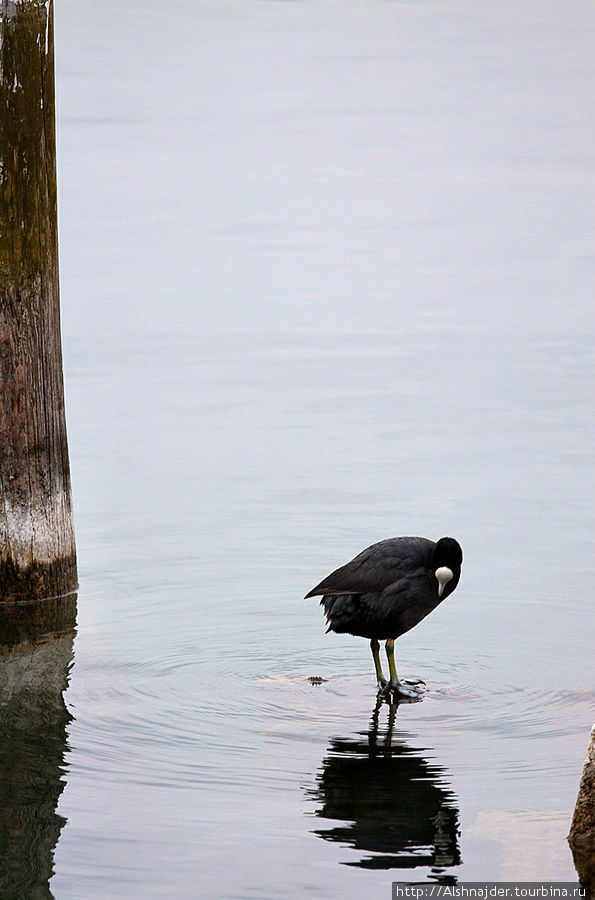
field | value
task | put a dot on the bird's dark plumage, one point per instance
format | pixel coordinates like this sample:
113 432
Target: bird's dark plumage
389 587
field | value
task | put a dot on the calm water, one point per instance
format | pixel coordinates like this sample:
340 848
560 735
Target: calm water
326 278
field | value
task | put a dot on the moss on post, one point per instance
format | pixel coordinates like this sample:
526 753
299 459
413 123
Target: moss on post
37 550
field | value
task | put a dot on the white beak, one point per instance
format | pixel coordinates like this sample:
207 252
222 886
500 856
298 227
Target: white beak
444 575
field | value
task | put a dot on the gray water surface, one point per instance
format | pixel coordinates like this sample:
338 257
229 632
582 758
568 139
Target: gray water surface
327 278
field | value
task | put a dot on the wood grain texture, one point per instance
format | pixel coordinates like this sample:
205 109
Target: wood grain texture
37 549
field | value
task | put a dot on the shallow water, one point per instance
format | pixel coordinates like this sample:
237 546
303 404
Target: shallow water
326 278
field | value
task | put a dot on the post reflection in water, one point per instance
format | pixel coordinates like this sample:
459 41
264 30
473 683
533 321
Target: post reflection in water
36 652
392 802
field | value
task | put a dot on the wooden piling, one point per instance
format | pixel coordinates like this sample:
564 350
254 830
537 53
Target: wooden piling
37 549
582 830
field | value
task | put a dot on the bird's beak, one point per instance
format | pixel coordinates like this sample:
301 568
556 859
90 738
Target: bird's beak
444 575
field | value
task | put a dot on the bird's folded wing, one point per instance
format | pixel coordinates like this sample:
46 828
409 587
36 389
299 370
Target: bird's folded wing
374 569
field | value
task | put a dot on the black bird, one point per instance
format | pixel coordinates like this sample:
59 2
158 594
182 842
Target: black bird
386 590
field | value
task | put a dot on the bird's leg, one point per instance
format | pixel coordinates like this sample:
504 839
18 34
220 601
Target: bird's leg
407 689
390 655
375 647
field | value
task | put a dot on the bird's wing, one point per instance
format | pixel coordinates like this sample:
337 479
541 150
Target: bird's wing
376 567
406 602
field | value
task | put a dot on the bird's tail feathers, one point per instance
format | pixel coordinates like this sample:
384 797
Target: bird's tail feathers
339 610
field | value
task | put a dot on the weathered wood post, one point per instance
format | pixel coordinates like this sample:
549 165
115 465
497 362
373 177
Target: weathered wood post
37 550
582 830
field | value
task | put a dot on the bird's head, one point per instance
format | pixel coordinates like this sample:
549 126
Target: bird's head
446 563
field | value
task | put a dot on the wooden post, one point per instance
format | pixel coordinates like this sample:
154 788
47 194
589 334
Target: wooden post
582 830
37 550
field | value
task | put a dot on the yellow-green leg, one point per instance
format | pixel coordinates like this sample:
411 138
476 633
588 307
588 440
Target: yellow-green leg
411 690
375 647
390 655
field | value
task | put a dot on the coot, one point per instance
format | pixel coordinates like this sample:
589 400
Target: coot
386 590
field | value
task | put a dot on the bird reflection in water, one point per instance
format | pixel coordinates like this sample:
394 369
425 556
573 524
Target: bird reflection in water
391 801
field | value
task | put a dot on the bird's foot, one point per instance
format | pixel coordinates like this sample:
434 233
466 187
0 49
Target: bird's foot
387 695
401 690
410 689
